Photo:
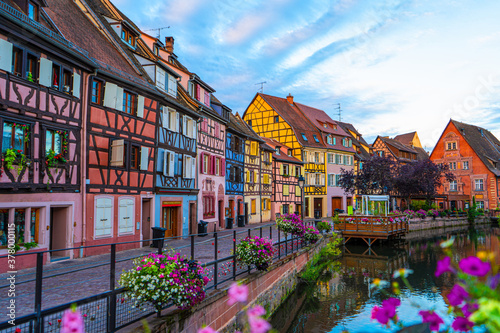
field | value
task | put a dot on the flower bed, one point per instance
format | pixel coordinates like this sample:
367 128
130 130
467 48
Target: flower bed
162 279
255 251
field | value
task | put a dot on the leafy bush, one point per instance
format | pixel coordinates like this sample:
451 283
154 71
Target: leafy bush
324 226
433 213
255 251
421 213
161 279
322 260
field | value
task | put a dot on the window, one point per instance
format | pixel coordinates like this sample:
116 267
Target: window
125 216
276 119
249 123
465 165
208 206
316 157
290 151
217 166
17 61
189 127
285 209
338 159
171 84
316 138
480 204
129 102
169 164
253 206
67 81
54 141
331 179
15 136
451 145
298 171
303 136
452 165
31 67
134 158
325 125
478 185
453 186
32 11
286 170
4 227
189 164
96 93
56 76
170 119
286 190
330 158
206 163
380 153
103 217
319 179
127 37
277 150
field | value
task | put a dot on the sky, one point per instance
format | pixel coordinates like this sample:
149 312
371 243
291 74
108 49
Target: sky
394 66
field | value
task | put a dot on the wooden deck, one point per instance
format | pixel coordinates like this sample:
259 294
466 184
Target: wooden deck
370 228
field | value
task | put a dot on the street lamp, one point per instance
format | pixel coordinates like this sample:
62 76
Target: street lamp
302 182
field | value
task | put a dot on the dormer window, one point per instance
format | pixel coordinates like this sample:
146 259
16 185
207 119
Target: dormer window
325 125
33 11
276 119
303 136
156 50
329 139
290 151
277 150
316 138
127 37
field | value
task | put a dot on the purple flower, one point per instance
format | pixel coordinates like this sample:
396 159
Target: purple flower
256 311
237 293
207 329
386 312
494 281
469 308
474 266
462 324
443 266
72 322
432 318
457 295
258 325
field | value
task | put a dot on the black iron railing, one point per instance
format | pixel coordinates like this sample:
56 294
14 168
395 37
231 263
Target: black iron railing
109 310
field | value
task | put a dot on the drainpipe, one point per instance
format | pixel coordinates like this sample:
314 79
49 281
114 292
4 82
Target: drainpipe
260 183
83 173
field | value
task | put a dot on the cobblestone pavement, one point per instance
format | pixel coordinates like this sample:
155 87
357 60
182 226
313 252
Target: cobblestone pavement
71 280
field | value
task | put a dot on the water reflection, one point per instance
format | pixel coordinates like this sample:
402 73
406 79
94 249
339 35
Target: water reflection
341 299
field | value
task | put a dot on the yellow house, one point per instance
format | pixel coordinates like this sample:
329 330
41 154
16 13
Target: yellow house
281 119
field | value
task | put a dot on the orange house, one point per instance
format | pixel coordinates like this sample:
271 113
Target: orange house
473 155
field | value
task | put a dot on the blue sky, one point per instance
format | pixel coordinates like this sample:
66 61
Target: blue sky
394 66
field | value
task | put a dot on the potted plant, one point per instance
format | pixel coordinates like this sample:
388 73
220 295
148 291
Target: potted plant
14 157
161 279
290 224
255 251
421 213
324 226
311 234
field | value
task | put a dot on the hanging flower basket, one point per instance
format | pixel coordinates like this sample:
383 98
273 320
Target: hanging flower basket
290 224
255 251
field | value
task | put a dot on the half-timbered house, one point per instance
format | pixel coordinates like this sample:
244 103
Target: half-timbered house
266 181
282 119
42 108
286 170
235 166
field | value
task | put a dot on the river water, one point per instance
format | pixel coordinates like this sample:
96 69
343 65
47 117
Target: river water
341 299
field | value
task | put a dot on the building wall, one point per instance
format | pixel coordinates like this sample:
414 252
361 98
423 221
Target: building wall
183 203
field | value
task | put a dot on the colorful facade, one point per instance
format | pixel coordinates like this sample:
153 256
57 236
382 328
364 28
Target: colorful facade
42 98
471 152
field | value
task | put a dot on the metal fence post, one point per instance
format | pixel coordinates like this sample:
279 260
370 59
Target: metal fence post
112 297
38 292
192 247
234 255
279 243
271 233
216 270
260 232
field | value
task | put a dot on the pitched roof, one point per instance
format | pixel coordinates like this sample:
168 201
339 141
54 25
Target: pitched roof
405 139
350 128
363 154
247 129
283 156
484 144
396 144
297 120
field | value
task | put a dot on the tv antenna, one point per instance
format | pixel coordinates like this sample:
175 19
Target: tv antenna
261 86
159 30
339 111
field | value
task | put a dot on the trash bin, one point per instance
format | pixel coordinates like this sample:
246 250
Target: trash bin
317 214
229 222
202 228
158 232
339 211
241 220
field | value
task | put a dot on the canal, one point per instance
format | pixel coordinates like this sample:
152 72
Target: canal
341 300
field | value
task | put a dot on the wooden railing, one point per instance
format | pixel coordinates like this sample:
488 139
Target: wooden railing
369 224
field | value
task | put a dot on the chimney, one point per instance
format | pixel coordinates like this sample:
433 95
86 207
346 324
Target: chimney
289 98
169 44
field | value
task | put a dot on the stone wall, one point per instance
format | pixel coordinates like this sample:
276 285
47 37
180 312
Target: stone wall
443 222
268 289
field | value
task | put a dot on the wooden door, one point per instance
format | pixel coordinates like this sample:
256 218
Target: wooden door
169 221
221 213
307 207
318 206
336 204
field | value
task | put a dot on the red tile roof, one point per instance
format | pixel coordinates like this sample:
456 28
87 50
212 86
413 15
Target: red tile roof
405 139
283 156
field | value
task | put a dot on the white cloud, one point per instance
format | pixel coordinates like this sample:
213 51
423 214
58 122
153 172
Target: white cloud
179 11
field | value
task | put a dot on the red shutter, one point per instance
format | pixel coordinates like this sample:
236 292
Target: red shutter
198 92
201 163
222 167
212 169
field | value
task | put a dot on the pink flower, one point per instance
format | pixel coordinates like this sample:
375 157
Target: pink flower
457 295
256 311
432 318
207 329
443 266
474 266
237 293
462 324
258 325
139 268
469 308
72 322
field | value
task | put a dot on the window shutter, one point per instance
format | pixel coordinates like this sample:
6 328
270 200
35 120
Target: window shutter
165 161
5 55
117 147
198 92
45 77
223 167
322 158
292 170
171 164
281 169
202 160
144 158
140 106
165 117
184 166
193 167
255 177
176 123
212 171
160 78
322 179
110 95
119 99
76 85
194 124
172 85
184 127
